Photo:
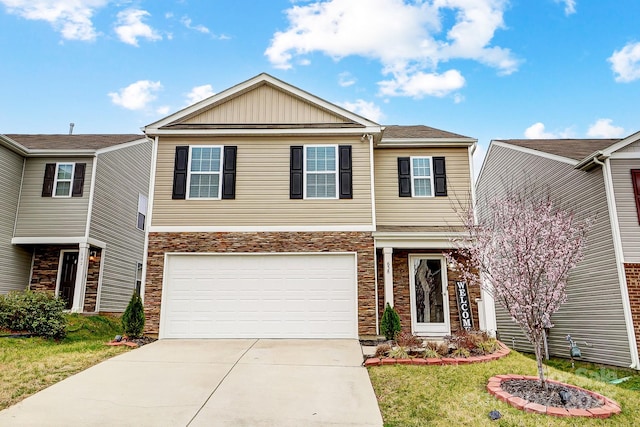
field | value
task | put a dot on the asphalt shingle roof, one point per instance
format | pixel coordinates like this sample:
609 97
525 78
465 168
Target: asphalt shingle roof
417 132
72 142
576 149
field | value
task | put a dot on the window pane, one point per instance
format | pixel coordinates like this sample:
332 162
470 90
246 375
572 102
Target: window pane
321 159
62 189
204 186
421 167
422 187
321 185
64 171
205 159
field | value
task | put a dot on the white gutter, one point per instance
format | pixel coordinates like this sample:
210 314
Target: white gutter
617 244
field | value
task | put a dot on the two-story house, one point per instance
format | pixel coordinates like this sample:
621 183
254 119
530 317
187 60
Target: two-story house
592 177
73 216
275 213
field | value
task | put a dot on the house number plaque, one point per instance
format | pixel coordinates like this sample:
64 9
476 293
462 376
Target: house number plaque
464 307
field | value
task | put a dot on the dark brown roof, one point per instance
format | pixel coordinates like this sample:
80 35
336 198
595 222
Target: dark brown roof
72 142
418 132
576 149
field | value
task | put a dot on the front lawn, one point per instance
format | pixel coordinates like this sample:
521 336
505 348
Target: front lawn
456 395
28 365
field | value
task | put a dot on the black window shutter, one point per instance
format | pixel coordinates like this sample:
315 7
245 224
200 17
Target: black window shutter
49 175
78 180
229 172
635 180
440 176
346 182
180 172
296 173
404 177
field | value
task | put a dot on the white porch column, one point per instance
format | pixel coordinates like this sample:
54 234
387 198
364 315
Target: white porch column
81 278
388 276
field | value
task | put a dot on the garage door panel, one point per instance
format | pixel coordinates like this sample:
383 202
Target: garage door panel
261 296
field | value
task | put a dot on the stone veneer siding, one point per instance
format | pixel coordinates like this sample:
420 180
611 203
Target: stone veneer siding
270 242
632 273
402 289
93 278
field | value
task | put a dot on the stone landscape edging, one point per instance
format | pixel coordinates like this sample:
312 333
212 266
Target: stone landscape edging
375 361
494 387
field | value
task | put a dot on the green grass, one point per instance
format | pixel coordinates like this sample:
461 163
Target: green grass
28 365
456 395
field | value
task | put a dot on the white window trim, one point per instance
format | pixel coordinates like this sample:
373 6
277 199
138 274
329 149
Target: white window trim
191 147
55 179
144 224
335 172
413 178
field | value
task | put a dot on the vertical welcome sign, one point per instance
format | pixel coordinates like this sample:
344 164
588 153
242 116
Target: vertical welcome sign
464 307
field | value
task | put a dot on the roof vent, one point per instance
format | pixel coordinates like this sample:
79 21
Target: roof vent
71 125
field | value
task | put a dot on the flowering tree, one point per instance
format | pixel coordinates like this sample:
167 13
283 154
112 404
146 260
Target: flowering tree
523 247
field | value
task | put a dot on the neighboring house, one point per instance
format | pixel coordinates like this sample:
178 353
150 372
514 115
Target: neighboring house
275 213
598 177
73 216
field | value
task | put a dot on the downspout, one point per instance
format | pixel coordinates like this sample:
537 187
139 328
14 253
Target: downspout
617 245
373 222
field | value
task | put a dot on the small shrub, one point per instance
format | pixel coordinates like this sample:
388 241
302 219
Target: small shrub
382 350
399 353
38 313
461 352
489 346
431 353
390 323
133 317
442 349
433 345
405 339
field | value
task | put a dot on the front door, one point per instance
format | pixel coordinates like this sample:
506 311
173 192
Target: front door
429 297
68 277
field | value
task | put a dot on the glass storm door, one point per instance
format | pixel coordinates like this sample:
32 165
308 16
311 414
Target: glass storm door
429 297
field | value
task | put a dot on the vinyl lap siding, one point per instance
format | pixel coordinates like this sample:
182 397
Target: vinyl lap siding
626 207
15 262
430 211
121 176
51 216
262 188
593 311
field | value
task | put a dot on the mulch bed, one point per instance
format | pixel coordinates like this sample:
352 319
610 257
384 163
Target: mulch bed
554 395
132 342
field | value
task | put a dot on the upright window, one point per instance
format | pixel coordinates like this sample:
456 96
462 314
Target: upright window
321 174
63 180
205 169
421 177
138 277
142 211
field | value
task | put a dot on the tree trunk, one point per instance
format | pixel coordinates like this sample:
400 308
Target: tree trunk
538 348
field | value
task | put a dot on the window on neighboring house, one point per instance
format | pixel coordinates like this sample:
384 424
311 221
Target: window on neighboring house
142 210
422 176
635 179
205 169
321 174
63 180
138 277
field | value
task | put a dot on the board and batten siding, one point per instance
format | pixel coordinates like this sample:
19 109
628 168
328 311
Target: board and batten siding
422 211
51 216
626 207
265 105
121 176
262 187
593 311
15 261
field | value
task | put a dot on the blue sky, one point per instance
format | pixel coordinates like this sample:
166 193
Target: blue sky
487 69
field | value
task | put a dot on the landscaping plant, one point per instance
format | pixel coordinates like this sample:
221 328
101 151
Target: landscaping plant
37 313
390 323
524 248
133 317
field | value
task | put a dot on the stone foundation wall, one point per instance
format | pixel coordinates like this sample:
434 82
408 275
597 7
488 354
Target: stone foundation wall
632 273
45 267
93 278
360 242
402 289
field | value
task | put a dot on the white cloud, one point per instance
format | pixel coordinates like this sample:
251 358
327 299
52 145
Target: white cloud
603 128
163 110
538 131
345 79
71 18
186 21
625 63
569 6
365 109
411 46
130 27
137 95
420 84
198 93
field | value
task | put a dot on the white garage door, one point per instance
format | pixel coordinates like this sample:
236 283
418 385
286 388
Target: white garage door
259 296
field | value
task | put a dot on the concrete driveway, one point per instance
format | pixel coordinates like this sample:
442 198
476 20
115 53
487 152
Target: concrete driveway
212 383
